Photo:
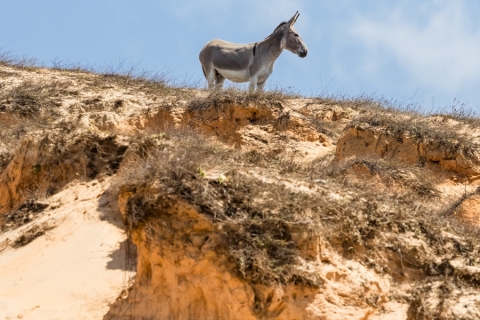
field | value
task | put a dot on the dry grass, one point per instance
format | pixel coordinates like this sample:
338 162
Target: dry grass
122 75
398 118
240 97
31 106
156 84
9 59
462 113
126 77
34 99
352 102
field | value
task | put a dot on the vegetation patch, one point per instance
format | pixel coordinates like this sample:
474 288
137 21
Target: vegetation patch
260 220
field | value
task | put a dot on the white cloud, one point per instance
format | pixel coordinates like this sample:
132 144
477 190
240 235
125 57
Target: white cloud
439 47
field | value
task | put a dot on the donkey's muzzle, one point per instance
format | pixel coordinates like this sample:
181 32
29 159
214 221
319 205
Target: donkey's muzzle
303 53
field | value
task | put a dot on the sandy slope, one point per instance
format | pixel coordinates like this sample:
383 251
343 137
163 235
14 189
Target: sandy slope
73 272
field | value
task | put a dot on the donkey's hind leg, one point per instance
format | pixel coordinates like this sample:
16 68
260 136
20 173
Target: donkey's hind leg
219 80
209 74
261 85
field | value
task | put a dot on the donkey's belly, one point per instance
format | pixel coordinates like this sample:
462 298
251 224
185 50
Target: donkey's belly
235 75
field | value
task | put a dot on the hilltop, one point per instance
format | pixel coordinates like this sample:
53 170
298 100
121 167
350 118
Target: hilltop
124 197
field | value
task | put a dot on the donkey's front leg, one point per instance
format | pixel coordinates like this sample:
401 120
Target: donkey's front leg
211 84
261 84
253 84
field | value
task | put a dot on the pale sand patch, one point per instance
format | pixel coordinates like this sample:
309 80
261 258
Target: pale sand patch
76 269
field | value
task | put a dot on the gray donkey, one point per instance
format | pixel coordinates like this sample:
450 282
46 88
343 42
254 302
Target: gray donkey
249 62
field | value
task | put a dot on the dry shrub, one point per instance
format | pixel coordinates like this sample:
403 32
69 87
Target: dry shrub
257 237
12 131
257 218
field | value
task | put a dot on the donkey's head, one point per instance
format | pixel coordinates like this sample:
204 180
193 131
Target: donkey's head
291 40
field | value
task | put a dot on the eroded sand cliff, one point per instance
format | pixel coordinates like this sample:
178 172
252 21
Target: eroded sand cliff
125 198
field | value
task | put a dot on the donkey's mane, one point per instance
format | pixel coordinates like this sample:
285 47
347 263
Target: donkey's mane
280 25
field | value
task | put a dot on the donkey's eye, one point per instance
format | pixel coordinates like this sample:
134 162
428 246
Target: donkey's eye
296 34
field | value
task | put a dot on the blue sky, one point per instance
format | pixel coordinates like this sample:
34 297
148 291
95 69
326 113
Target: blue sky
425 52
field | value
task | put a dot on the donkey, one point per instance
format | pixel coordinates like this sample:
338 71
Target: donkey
249 62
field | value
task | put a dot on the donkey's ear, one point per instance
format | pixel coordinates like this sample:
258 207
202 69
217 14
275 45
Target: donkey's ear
292 21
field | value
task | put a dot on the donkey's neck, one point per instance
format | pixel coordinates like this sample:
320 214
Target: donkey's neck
272 46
